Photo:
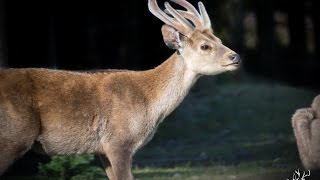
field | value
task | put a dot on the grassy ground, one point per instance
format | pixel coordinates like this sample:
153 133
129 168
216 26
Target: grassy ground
217 172
235 129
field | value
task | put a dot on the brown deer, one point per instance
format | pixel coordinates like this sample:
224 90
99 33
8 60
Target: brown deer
109 113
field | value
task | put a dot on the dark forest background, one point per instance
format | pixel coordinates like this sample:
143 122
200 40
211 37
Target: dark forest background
278 40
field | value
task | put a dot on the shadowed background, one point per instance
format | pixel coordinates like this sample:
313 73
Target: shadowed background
228 119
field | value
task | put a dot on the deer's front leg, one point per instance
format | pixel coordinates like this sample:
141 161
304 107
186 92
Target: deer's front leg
118 162
307 132
107 166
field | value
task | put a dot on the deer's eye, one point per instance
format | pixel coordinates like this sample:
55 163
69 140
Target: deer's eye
205 47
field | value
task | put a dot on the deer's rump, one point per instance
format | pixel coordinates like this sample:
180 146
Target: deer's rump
58 109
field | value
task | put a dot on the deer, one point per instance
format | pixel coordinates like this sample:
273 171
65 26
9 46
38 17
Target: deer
109 113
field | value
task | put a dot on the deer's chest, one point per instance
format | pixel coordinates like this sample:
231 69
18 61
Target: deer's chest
147 131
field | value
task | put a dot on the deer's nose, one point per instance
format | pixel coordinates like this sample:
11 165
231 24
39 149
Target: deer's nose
235 58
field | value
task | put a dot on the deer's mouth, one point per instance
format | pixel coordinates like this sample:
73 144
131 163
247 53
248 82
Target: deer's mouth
231 66
236 64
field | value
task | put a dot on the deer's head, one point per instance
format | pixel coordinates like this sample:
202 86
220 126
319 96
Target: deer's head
189 32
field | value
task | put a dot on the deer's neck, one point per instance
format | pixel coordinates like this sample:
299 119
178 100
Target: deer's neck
171 81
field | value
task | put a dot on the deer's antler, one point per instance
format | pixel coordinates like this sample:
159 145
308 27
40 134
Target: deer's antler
179 18
201 21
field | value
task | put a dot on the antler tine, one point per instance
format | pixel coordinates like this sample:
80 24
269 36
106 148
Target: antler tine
178 22
191 13
156 11
201 20
205 17
191 17
178 16
188 6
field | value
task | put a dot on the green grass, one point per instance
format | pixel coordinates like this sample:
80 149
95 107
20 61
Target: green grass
225 129
217 172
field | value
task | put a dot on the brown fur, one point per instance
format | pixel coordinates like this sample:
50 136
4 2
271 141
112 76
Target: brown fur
306 126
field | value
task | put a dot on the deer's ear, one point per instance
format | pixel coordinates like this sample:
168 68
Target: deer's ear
172 38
